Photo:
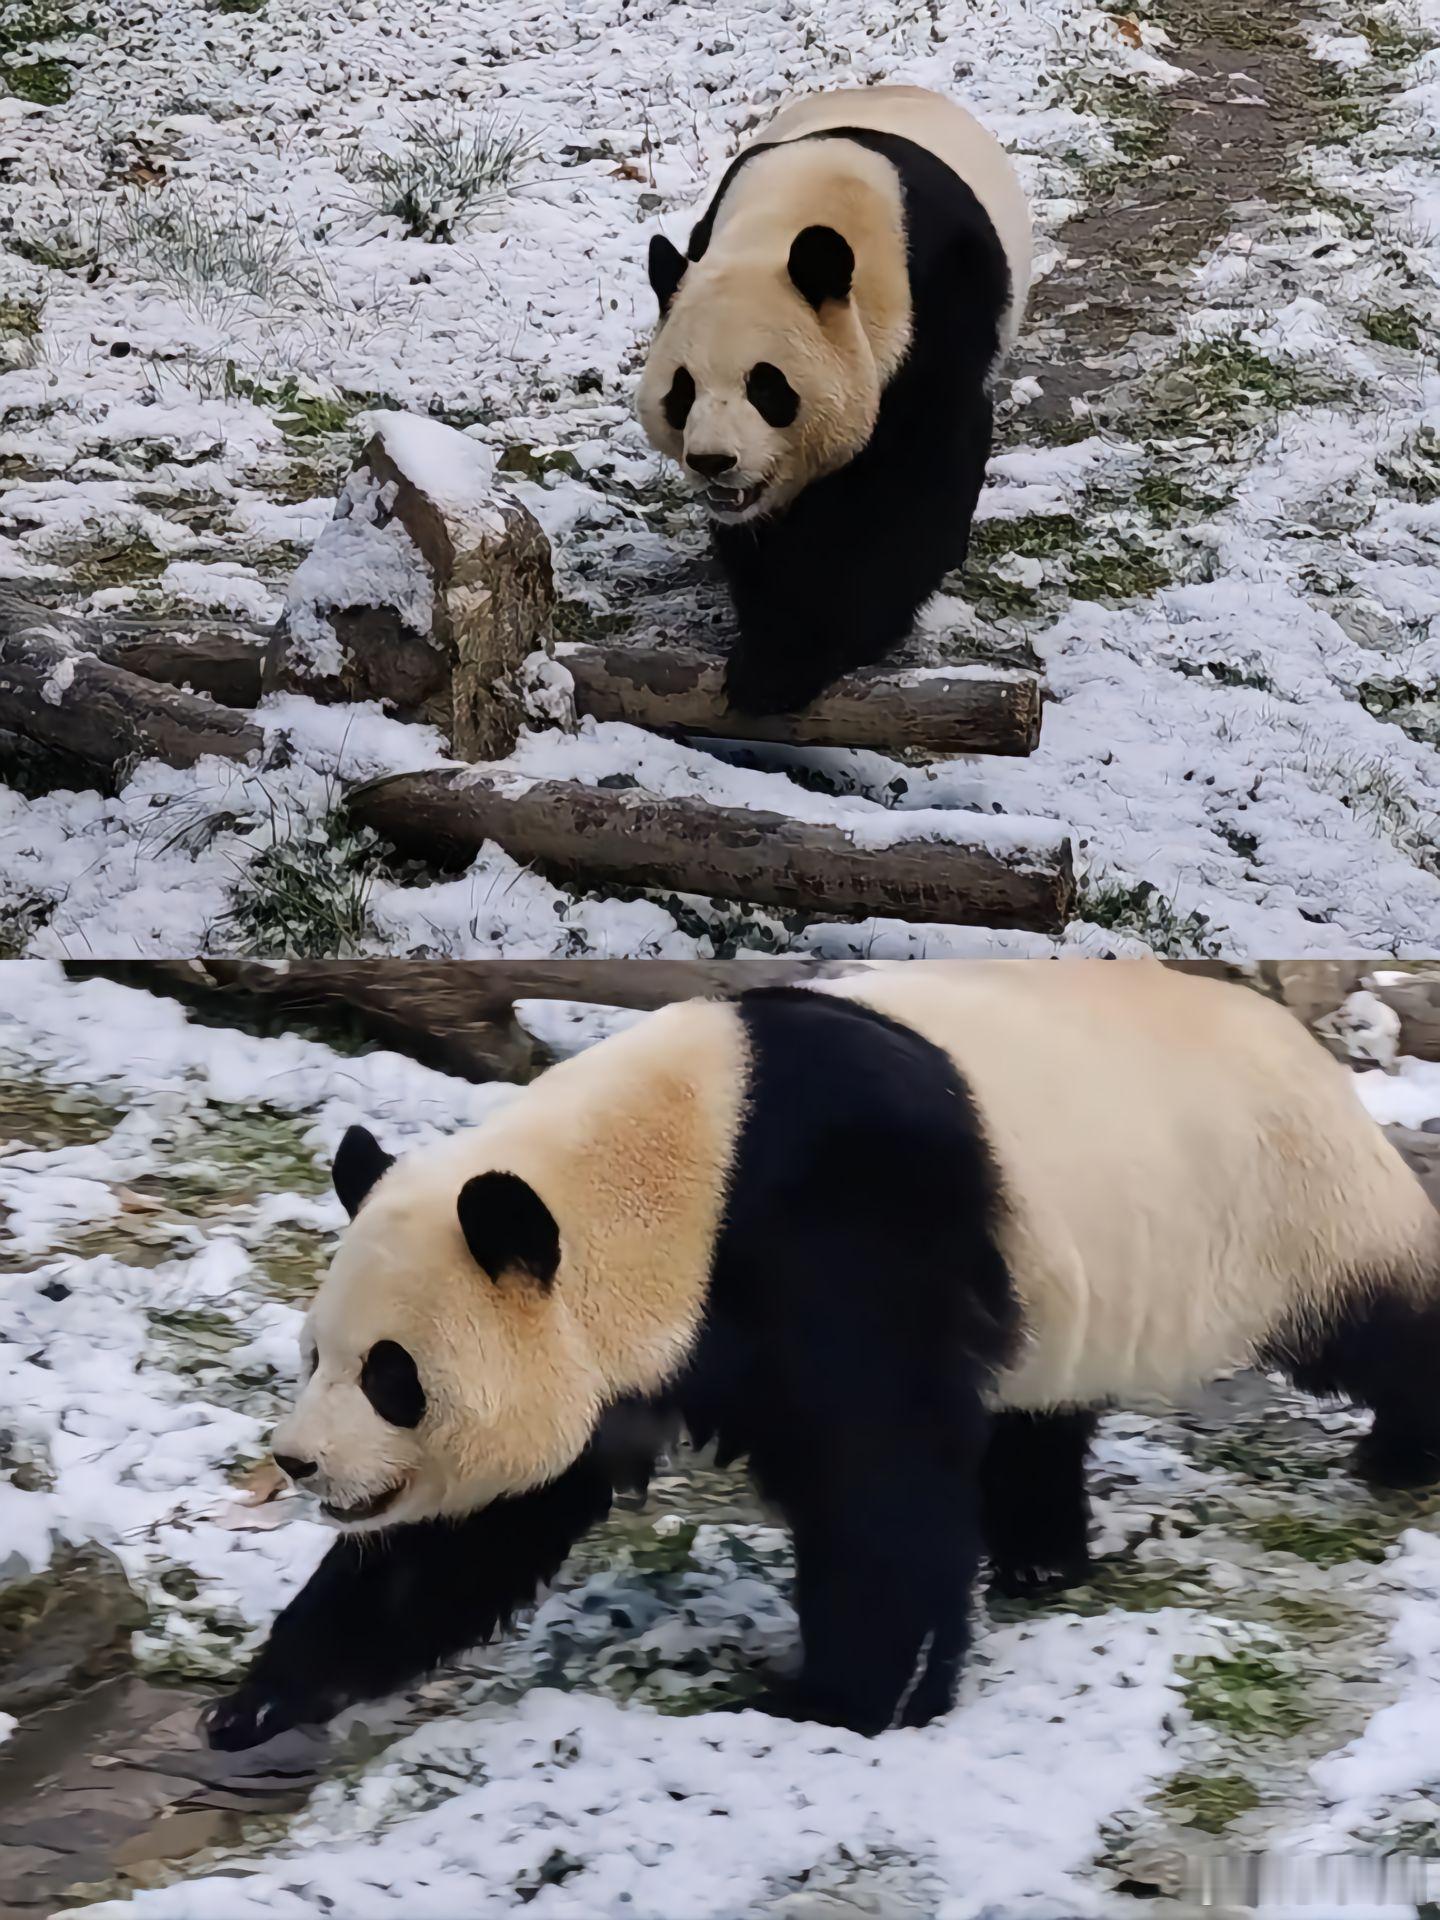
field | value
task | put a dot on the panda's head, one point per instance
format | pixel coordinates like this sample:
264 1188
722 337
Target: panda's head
438 1369
761 378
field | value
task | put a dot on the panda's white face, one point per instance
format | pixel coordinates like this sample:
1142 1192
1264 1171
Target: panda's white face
433 1384
753 390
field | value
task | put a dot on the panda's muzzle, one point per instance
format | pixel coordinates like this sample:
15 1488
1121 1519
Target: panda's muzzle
727 501
370 1509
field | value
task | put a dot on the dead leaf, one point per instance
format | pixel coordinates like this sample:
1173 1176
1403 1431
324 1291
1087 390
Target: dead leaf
262 1483
132 1202
144 173
627 170
253 1519
1128 29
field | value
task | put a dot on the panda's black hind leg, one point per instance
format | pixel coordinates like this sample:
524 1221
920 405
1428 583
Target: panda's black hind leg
1383 1352
1035 1511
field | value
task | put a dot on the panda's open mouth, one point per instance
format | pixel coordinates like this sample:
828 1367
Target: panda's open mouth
726 503
370 1509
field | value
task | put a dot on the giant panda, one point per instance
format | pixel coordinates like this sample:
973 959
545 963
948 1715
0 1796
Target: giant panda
822 370
895 1239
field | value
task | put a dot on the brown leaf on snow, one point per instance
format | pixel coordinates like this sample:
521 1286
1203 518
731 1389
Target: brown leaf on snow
1128 29
261 1483
132 1202
627 170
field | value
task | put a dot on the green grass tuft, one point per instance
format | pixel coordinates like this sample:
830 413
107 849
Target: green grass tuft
443 173
307 894
1394 327
1210 1801
1313 1540
1144 913
1248 1693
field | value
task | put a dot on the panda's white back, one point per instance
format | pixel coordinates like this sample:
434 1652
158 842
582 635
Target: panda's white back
1186 1165
941 127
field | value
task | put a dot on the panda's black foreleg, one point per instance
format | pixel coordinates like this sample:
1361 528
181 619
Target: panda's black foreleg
382 1609
1035 1511
887 1544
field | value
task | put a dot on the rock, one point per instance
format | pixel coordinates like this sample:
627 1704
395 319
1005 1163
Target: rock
176 1835
64 1626
427 590
1419 1149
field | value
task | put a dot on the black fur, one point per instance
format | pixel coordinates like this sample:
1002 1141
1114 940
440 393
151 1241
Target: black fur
680 399
822 265
667 269
858 1308
382 1609
508 1227
1034 1507
834 582
1382 1351
390 1381
359 1162
771 394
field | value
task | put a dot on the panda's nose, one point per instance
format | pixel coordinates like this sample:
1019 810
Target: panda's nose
293 1468
711 465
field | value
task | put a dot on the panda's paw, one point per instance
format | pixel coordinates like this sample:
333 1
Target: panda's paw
1017 1582
249 1717
1396 1461
759 685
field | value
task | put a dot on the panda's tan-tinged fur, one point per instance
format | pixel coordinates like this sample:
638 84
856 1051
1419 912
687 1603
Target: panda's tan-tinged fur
840 359
629 1146
1085 1068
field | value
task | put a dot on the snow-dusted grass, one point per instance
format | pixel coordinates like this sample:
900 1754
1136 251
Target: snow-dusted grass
1240 625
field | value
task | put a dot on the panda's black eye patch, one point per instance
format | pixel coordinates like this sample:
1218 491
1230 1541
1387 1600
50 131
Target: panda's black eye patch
771 395
680 398
390 1381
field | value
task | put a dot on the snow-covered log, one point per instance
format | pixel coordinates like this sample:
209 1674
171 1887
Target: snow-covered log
984 871
88 721
678 689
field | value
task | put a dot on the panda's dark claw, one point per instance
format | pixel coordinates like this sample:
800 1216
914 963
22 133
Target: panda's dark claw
1034 1582
247 1718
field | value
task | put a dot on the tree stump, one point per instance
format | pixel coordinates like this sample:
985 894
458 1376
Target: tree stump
426 591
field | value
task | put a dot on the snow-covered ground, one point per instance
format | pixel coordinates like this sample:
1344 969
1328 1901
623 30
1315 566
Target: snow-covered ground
1254 1665
201 291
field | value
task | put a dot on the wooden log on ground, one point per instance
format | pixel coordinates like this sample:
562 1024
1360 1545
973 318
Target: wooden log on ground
225 659
227 663
1010 874
106 719
677 689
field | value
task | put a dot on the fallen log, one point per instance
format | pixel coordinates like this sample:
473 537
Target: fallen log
227 663
105 719
679 689
225 659
1009 874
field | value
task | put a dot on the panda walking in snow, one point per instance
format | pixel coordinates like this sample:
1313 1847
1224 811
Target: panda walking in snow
822 370
895 1241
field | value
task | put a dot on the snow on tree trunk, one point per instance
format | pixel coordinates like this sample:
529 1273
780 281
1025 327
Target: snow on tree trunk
426 591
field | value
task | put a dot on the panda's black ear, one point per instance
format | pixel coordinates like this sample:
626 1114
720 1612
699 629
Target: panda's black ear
822 265
359 1162
508 1227
667 269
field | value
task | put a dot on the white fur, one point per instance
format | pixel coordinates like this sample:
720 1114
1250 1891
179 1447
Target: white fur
945 129
1186 1166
